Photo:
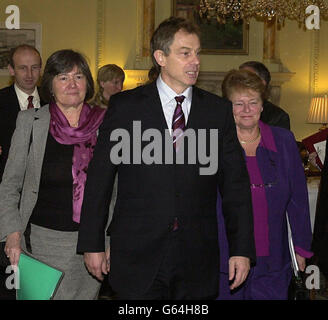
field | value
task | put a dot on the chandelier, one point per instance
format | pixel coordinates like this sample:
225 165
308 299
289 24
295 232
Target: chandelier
264 9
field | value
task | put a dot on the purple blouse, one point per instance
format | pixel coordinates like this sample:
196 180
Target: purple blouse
260 208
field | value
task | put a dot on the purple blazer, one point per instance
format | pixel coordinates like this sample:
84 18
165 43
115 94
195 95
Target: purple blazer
281 168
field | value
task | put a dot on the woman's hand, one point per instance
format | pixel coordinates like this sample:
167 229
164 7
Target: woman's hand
300 261
13 247
96 264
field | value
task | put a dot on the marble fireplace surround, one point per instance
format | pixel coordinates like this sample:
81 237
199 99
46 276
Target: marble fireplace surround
212 81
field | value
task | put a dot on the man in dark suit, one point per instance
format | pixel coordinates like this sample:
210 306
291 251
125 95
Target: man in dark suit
271 114
320 231
163 234
25 67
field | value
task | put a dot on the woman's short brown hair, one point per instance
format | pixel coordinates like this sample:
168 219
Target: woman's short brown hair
241 80
64 61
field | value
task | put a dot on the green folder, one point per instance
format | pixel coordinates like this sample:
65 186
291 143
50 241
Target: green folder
37 280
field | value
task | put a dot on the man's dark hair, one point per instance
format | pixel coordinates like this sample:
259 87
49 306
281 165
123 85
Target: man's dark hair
164 35
260 69
152 74
64 61
18 48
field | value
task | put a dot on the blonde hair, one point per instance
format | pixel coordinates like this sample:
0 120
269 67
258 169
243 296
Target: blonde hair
107 72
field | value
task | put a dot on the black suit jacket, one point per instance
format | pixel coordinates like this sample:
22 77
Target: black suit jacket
9 108
274 115
320 231
150 196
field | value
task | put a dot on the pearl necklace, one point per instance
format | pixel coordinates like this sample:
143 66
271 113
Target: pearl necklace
252 140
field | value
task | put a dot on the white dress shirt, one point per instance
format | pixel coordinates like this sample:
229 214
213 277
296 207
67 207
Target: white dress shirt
169 104
23 98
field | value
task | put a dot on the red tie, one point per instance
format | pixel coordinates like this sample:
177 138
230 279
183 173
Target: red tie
30 102
178 122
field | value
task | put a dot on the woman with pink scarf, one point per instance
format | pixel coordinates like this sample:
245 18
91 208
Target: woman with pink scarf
43 184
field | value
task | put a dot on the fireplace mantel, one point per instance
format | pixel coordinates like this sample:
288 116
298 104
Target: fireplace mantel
212 81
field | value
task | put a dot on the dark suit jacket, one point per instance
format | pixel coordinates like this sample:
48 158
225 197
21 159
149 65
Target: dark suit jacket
150 196
9 108
274 115
320 231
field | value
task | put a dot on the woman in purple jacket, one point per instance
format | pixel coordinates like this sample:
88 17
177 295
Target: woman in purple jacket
278 186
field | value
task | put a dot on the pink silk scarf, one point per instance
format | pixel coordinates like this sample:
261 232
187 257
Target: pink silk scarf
84 139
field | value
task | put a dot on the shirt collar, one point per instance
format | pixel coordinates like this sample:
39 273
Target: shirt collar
22 96
167 94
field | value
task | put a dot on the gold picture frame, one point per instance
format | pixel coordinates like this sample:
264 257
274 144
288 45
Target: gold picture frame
29 33
230 38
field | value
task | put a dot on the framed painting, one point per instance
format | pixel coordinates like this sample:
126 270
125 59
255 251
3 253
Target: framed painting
228 38
29 33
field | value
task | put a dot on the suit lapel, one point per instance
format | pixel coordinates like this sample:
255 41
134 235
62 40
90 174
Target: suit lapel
195 109
40 133
156 111
14 99
154 115
12 105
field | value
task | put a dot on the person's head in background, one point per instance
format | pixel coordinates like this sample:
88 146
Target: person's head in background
110 80
261 70
25 66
